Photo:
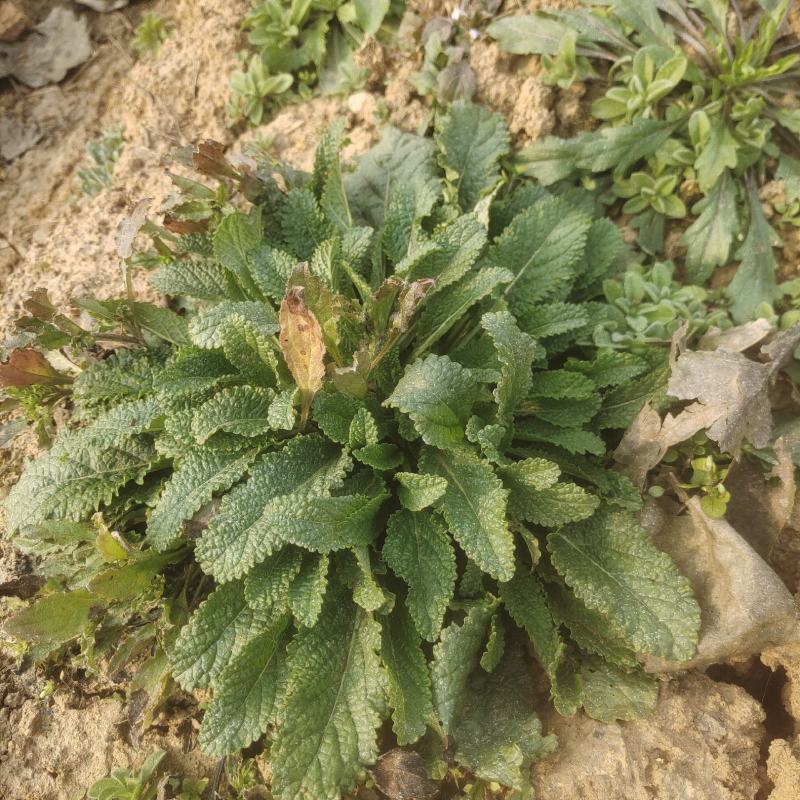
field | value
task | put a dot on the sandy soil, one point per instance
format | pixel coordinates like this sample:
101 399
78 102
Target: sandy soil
733 734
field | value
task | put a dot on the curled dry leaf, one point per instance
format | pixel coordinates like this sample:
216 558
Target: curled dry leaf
129 227
732 403
208 158
410 298
738 339
401 775
27 367
745 606
303 347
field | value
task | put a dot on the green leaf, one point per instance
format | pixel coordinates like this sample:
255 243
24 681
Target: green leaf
454 658
267 585
322 524
409 681
495 645
418 550
498 734
438 395
416 492
191 486
515 351
754 281
162 322
471 141
215 634
571 439
240 536
326 179
247 694
307 592
621 405
474 506
719 154
526 602
207 329
554 505
618 148
271 268
552 319
399 160
236 409
304 227
370 14
449 254
590 629
560 384
525 34
442 311
709 238
541 247
234 239
334 705
610 693
204 280
609 368
70 482
613 567
53 619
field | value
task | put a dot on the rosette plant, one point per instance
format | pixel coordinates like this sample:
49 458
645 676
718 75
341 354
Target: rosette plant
382 431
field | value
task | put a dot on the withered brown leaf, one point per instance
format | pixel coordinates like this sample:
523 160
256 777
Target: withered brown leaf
27 367
303 347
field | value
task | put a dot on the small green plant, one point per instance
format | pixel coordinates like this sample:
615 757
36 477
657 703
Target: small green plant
383 433
698 114
102 153
151 33
648 306
251 87
125 784
301 46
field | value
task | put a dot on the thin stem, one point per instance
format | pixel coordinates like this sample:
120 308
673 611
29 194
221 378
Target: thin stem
117 337
601 54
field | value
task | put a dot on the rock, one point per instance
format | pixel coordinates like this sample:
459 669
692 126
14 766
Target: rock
13 21
745 606
783 769
702 742
17 137
45 56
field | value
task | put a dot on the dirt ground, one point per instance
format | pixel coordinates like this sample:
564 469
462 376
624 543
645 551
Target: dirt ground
730 734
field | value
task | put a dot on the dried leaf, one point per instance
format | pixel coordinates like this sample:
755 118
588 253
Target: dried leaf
410 298
27 367
302 346
401 775
745 606
208 158
731 393
738 339
129 227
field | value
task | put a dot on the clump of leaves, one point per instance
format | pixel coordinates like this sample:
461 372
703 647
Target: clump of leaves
648 306
301 46
701 112
102 153
151 33
392 423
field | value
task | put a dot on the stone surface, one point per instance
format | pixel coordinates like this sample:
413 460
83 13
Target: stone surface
702 742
